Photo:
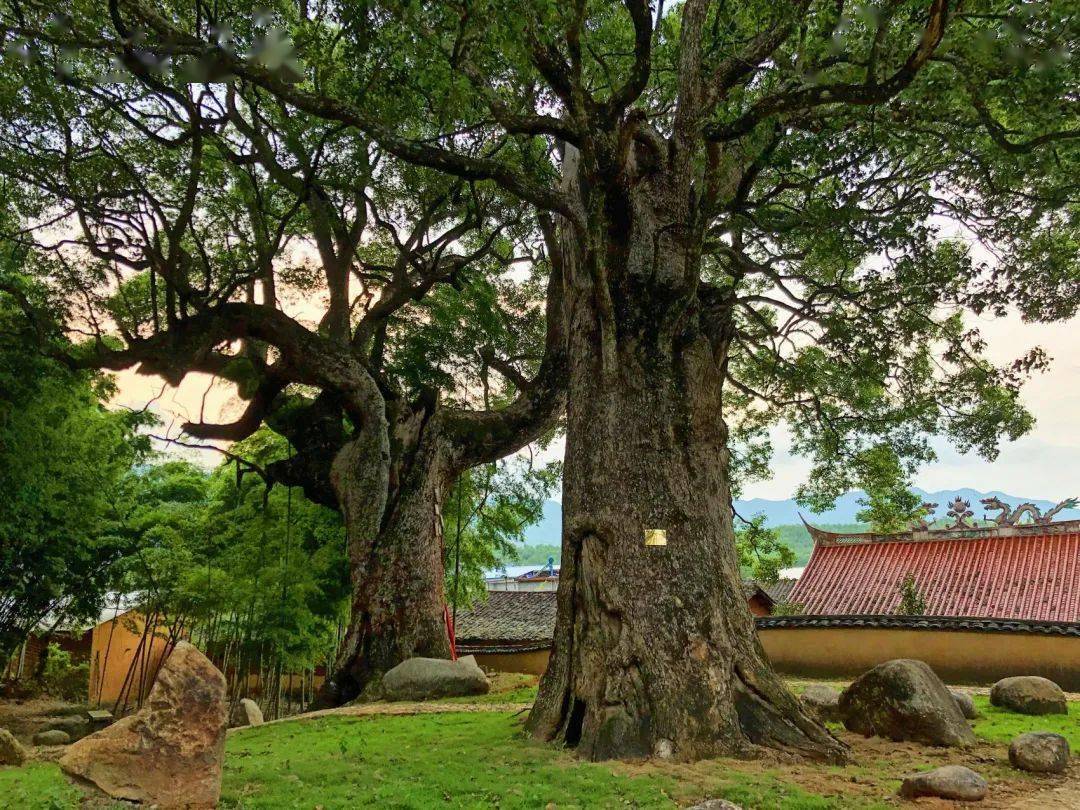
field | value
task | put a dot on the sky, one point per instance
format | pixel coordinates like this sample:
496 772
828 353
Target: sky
1043 464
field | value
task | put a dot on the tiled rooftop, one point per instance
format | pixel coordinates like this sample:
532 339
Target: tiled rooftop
1032 574
509 616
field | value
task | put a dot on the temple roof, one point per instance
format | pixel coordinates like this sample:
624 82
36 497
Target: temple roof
1025 572
509 616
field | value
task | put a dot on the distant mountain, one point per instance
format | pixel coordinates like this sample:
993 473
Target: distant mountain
549 530
780 513
785 513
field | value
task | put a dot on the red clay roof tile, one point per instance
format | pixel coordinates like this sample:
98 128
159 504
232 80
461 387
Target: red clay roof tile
1030 576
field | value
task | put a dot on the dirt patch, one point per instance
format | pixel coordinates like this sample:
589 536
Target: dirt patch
877 767
797 685
400 708
24 717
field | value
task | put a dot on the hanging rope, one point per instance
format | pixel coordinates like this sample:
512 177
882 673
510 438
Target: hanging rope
451 620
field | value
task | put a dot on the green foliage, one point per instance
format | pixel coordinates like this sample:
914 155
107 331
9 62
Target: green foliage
483 519
889 506
787 609
533 554
62 455
912 602
233 561
60 678
761 552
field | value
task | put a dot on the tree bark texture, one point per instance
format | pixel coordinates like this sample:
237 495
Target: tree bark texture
395 547
655 650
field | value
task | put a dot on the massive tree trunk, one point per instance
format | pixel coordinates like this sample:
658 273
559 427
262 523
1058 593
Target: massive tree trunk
655 649
395 548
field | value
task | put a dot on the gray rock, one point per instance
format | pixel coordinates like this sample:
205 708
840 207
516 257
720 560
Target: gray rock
11 750
247 713
426 678
950 782
75 726
823 702
904 700
965 704
715 804
54 736
1040 752
1029 694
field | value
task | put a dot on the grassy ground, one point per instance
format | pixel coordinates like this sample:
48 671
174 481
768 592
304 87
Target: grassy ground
999 726
37 785
474 759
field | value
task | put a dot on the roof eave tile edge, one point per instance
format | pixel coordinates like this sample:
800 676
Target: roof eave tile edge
976 624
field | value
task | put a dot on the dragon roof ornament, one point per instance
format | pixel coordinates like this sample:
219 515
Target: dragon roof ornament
961 523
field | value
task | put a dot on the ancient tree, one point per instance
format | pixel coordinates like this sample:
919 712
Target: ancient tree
767 210
180 226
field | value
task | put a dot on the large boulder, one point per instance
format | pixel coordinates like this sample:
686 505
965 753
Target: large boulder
1029 694
904 700
965 704
823 702
426 678
1040 752
168 753
11 750
247 713
53 736
953 782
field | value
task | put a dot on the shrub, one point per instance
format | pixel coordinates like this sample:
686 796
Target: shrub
61 678
912 602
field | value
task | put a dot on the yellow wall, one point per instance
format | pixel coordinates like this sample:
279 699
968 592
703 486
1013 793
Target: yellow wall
956 656
533 662
113 649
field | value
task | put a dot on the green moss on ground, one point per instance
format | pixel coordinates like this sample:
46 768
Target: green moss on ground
482 759
38 785
479 759
458 760
1000 726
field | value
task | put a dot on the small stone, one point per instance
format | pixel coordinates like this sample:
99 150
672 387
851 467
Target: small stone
663 749
247 713
950 782
1029 694
11 750
823 702
965 704
715 804
53 736
76 726
1039 752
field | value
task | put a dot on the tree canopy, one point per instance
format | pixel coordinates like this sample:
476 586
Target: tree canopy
743 213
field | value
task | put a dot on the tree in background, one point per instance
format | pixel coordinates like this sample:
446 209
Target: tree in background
758 200
483 519
255 576
912 602
762 554
396 325
62 456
